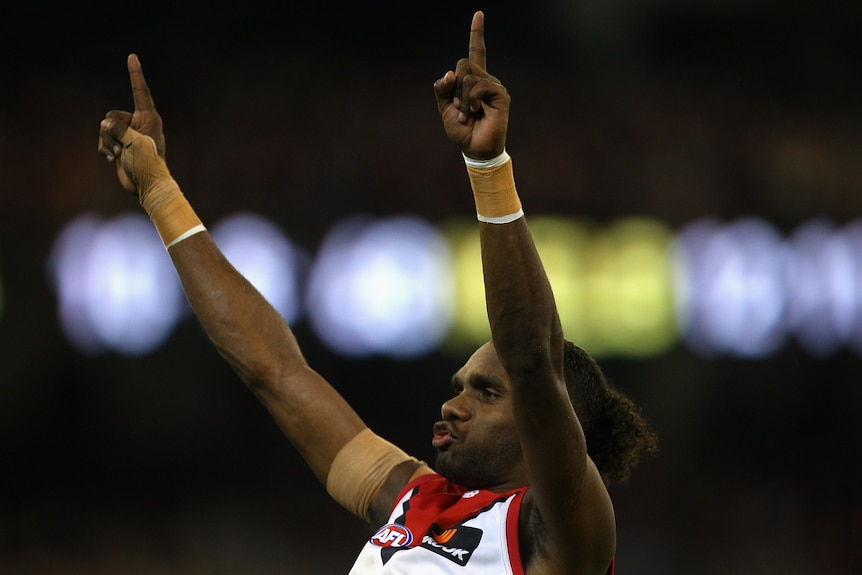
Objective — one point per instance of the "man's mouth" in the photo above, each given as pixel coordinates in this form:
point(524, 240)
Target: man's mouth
point(443, 435)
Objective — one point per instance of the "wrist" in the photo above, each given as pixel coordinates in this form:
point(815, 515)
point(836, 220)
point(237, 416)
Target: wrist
point(494, 191)
point(155, 193)
point(170, 212)
point(158, 192)
point(485, 164)
point(176, 220)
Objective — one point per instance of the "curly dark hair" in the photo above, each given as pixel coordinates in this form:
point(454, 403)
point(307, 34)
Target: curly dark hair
point(616, 430)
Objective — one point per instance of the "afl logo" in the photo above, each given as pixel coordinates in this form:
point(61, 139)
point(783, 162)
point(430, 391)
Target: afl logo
point(392, 535)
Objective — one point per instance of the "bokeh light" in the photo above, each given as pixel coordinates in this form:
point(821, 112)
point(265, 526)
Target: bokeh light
point(402, 287)
point(382, 287)
point(266, 257)
point(730, 286)
point(631, 296)
point(116, 288)
point(822, 300)
point(470, 321)
point(613, 286)
point(852, 234)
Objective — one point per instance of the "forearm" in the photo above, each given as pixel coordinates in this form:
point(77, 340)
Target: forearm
point(528, 338)
point(349, 459)
point(259, 345)
point(245, 329)
point(525, 326)
point(523, 318)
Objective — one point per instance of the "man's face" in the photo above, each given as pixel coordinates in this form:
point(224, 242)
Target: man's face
point(477, 442)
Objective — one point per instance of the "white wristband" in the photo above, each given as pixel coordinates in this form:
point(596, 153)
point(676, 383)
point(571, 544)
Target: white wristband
point(186, 234)
point(501, 219)
point(487, 164)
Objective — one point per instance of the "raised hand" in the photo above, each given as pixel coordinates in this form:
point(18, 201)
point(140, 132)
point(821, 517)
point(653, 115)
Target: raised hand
point(473, 104)
point(138, 170)
point(145, 119)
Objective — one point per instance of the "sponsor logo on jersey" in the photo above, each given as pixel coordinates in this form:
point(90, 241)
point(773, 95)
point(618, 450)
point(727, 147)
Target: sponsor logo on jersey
point(444, 537)
point(392, 535)
point(456, 544)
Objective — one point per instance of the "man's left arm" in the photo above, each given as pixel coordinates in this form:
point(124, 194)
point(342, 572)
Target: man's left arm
point(565, 486)
point(577, 519)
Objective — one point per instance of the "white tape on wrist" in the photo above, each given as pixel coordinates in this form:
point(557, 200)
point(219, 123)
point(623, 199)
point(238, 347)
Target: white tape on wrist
point(487, 164)
point(186, 234)
point(508, 218)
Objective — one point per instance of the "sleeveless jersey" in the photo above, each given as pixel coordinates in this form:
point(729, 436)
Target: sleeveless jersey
point(440, 528)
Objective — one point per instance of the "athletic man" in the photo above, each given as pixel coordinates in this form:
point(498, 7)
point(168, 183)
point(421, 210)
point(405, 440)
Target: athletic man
point(515, 487)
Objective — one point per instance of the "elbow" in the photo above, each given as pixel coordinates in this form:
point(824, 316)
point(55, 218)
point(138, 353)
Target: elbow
point(541, 353)
point(260, 372)
point(528, 336)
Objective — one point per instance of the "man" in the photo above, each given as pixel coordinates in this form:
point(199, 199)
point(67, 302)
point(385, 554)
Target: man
point(515, 489)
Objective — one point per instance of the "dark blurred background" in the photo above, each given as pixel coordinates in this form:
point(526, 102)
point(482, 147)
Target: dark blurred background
point(165, 464)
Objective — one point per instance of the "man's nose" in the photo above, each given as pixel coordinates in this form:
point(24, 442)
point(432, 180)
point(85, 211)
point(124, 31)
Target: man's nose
point(456, 408)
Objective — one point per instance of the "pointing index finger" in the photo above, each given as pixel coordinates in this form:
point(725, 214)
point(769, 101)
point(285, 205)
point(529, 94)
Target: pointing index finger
point(476, 52)
point(140, 91)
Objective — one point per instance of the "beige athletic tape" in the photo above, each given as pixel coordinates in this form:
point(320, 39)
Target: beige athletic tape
point(158, 192)
point(495, 195)
point(359, 470)
point(175, 220)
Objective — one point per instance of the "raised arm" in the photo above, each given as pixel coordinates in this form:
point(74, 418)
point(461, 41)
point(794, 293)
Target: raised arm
point(247, 331)
point(567, 505)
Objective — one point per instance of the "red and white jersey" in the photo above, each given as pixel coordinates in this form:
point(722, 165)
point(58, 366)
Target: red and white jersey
point(440, 528)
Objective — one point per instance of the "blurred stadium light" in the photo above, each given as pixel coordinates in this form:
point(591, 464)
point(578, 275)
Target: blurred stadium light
point(402, 287)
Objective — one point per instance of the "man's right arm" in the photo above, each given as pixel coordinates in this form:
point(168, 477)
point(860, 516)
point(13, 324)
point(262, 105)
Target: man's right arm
point(245, 329)
point(260, 346)
point(366, 475)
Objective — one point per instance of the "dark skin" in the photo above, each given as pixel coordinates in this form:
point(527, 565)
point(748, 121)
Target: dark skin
point(566, 489)
point(510, 403)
